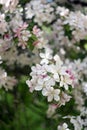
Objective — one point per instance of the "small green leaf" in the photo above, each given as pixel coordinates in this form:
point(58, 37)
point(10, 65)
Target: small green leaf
point(85, 46)
point(10, 98)
point(47, 29)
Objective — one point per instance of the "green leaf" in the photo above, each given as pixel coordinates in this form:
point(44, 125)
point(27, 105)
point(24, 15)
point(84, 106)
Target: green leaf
point(10, 99)
point(85, 46)
point(47, 29)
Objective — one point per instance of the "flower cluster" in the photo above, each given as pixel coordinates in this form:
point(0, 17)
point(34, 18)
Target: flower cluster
point(9, 5)
point(48, 43)
point(50, 76)
point(43, 12)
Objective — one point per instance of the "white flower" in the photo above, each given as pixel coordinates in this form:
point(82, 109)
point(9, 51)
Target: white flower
point(25, 34)
point(77, 122)
point(22, 44)
point(46, 57)
point(51, 93)
point(41, 82)
point(36, 31)
point(57, 69)
point(63, 127)
point(44, 81)
point(38, 70)
point(54, 70)
point(31, 84)
point(6, 81)
point(64, 98)
point(62, 11)
point(65, 81)
point(58, 60)
point(41, 42)
point(40, 77)
point(3, 77)
point(29, 11)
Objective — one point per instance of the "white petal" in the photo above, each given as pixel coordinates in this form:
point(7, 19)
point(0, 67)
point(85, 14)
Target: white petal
point(65, 125)
point(56, 97)
point(56, 77)
point(38, 87)
point(42, 55)
point(57, 91)
point(44, 61)
point(66, 86)
point(50, 98)
point(44, 92)
point(40, 81)
point(61, 83)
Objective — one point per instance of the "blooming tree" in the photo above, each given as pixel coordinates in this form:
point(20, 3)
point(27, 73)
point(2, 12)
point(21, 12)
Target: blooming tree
point(43, 65)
